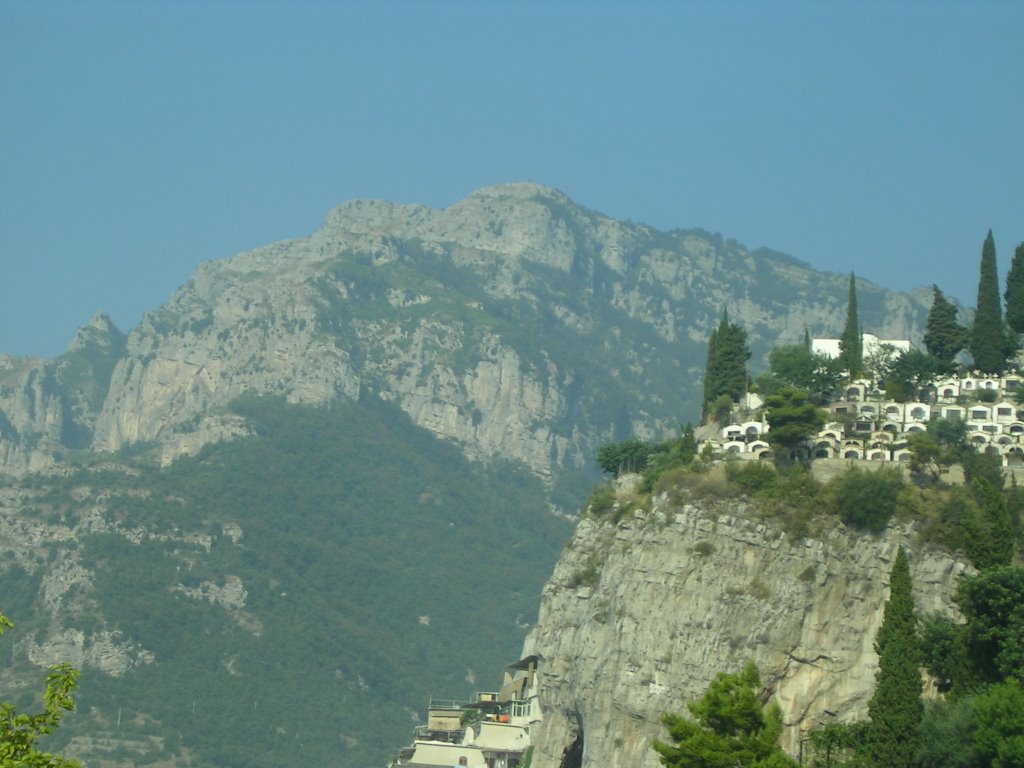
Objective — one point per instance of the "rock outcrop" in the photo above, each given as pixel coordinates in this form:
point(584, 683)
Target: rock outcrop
point(638, 617)
point(515, 323)
point(48, 407)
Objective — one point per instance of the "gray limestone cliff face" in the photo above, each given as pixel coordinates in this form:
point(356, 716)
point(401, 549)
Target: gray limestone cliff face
point(515, 323)
point(46, 551)
point(638, 617)
point(50, 406)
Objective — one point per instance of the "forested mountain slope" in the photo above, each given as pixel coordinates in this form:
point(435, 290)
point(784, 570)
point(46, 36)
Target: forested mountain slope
point(291, 598)
point(317, 484)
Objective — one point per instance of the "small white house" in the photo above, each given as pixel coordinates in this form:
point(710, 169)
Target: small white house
point(870, 344)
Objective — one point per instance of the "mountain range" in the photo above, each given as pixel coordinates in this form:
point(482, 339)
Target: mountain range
point(331, 475)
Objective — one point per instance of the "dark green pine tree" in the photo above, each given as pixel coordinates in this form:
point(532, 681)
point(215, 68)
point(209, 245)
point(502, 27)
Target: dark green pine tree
point(851, 349)
point(990, 538)
point(988, 336)
point(730, 728)
point(1015, 292)
point(944, 337)
point(726, 369)
point(710, 371)
point(895, 709)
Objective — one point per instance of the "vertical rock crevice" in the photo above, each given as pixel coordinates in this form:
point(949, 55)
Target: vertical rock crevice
point(573, 755)
point(664, 616)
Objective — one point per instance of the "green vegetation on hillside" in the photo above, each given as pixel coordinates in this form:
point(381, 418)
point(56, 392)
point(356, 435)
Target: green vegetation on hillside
point(895, 709)
point(792, 418)
point(730, 727)
point(20, 732)
point(796, 366)
point(378, 565)
point(979, 663)
point(980, 520)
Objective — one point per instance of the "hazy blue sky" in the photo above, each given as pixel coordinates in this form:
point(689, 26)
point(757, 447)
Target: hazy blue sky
point(139, 139)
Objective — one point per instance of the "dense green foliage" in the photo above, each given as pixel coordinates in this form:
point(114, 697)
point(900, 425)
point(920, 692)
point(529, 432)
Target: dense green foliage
point(794, 365)
point(868, 499)
point(930, 457)
point(944, 337)
point(988, 336)
point(668, 455)
point(980, 663)
point(730, 729)
point(752, 476)
point(20, 732)
point(990, 533)
point(946, 735)
point(851, 342)
point(342, 511)
point(792, 418)
point(1014, 294)
point(993, 606)
point(725, 373)
point(981, 519)
point(652, 458)
point(626, 456)
point(910, 375)
point(998, 720)
point(835, 744)
point(895, 709)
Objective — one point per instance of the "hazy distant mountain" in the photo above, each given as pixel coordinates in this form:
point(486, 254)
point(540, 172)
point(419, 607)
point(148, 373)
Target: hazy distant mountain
point(515, 323)
point(315, 486)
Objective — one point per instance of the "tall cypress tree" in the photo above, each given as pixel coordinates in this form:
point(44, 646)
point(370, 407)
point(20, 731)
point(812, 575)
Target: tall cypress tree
point(895, 709)
point(710, 372)
point(1015, 291)
point(944, 337)
point(851, 350)
point(726, 368)
point(990, 539)
point(988, 336)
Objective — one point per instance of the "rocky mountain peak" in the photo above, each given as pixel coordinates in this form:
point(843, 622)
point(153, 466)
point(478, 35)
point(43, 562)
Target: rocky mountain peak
point(99, 332)
point(517, 193)
point(515, 323)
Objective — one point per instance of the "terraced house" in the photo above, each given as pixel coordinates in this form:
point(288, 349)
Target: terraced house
point(864, 425)
point(490, 731)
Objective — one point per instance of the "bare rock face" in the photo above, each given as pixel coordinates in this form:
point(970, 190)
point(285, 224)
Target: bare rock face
point(31, 421)
point(47, 548)
point(49, 406)
point(108, 652)
point(514, 323)
point(638, 617)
